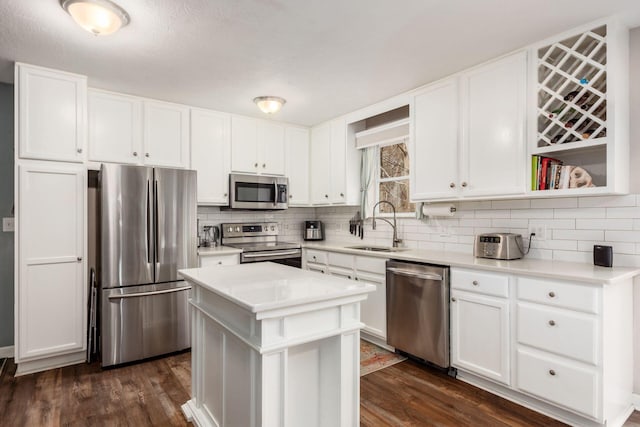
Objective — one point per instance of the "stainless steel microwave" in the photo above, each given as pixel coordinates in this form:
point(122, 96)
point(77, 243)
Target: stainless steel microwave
point(258, 192)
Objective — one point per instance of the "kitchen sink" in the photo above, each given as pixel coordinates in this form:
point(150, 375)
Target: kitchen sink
point(377, 248)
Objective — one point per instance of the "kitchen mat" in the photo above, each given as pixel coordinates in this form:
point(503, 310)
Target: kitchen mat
point(374, 358)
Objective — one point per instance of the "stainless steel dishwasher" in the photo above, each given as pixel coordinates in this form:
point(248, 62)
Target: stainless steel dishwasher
point(418, 310)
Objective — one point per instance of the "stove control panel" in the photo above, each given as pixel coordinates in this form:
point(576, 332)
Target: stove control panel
point(254, 229)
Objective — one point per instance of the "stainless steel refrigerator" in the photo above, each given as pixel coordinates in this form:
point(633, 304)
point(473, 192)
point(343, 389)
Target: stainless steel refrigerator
point(147, 233)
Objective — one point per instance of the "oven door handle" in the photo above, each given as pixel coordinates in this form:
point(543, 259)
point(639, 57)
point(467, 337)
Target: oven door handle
point(270, 254)
point(144, 294)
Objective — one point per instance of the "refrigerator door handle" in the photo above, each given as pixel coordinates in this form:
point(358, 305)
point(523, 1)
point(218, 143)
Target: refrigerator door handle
point(155, 223)
point(148, 222)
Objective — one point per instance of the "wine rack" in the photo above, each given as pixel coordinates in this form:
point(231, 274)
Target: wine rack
point(580, 110)
point(572, 89)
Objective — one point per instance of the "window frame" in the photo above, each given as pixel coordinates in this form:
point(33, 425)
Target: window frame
point(379, 180)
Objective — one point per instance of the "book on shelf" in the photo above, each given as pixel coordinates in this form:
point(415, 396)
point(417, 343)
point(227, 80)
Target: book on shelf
point(548, 173)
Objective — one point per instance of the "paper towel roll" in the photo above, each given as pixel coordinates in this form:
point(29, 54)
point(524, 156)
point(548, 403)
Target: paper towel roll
point(441, 209)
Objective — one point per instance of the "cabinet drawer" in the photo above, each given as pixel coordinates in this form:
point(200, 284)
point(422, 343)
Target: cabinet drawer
point(371, 264)
point(345, 273)
point(207, 261)
point(317, 257)
point(340, 260)
point(565, 333)
point(559, 382)
point(558, 294)
point(483, 283)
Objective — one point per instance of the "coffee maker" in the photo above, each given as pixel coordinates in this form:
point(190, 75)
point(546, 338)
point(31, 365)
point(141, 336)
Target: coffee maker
point(313, 230)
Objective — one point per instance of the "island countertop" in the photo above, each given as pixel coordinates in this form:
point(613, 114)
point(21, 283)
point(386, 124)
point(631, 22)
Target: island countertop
point(267, 286)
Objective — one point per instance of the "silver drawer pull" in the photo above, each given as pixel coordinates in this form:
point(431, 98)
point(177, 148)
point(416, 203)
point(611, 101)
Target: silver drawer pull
point(552, 294)
point(552, 372)
point(475, 283)
point(144, 294)
point(427, 276)
point(453, 299)
point(552, 323)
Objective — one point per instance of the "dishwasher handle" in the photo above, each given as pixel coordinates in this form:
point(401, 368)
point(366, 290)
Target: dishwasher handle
point(409, 273)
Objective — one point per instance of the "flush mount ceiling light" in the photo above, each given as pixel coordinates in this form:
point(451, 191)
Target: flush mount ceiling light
point(269, 104)
point(99, 17)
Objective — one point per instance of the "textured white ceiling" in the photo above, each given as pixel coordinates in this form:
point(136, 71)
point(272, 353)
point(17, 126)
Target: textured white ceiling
point(326, 57)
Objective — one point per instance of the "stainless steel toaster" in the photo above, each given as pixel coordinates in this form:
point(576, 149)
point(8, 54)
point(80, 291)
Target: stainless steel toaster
point(504, 246)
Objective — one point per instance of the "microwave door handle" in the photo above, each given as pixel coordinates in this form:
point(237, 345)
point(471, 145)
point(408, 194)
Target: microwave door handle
point(275, 193)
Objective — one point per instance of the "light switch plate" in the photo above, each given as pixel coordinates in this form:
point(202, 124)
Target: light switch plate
point(8, 225)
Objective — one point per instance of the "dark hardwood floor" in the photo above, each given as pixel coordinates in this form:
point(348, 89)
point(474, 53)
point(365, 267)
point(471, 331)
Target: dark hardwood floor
point(151, 393)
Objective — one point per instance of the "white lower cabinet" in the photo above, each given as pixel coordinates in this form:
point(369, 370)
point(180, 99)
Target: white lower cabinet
point(560, 347)
point(480, 341)
point(373, 310)
point(51, 278)
point(213, 260)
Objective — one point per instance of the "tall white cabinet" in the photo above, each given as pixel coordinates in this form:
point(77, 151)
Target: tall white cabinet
point(51, 276)
point(297, 162)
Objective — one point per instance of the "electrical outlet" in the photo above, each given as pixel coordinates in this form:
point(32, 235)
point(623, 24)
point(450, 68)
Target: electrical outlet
point(8, 225)
point(540, 230)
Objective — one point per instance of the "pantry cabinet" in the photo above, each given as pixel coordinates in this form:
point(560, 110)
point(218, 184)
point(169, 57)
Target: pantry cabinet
point(51, 285)
point(480, 340)
point(258, 146)
point(51, 114)
point(131, 130)
point(211, 155)
point(297, 165)
point(468, 133)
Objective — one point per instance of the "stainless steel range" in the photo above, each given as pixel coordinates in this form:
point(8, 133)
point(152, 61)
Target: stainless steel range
point(259, 242)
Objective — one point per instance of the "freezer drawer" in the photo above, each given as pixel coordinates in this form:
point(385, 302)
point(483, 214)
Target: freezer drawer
point(144, 321)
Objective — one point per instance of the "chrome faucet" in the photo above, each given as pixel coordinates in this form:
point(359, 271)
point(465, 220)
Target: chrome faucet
point(394, 225)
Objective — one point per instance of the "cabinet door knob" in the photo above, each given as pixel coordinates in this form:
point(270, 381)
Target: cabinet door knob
point(79, 258)
point(146, 154)
point(326, 196)
point(314, 257)
point(453, 299)
point(341, 194)
point(552, 372)
point(264, 165)
point(552, 294)
point(452, 185)
point(552, 323)
point(79, 150)
point(291, 196)
point(357, 278)
point(255, 165)
point(464, 184)
point(219, 262)
point(135, 154)
point(349, 277)
point(224, 195)
point(475, 283)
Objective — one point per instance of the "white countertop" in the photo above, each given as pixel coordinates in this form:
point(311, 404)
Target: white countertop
point(217, 250)
point(266, 286)
point(527, 266)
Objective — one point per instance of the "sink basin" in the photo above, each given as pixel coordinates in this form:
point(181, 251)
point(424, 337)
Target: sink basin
point(377, 248)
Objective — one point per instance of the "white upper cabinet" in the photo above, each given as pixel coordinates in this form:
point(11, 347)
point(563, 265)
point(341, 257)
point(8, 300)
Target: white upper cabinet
point(320, 164)
point(493, 127)
point(297, 170)
point(166, 134)
point(115, 127)
point(211, 155)
point(468, 133)
point(335, 165)
point(257, 146)
point(51, 296)
point(434, 147)
point(51, 114)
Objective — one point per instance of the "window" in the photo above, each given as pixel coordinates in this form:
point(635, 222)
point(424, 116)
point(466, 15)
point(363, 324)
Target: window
point(393, 178)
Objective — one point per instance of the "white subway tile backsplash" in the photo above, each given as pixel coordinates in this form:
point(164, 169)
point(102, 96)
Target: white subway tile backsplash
point(532, 213)
point(607, 201)
point(604, 224)
point(580, 213)
point(622, 236)
point(510, 204)
point(509, 223)
point(568, 224)
point(493, 214)
point(569, 202)
point(573, 256)
point(578, 235)
point(618, 247)
point(458, 247)
point(479, 222)
point(629, 212)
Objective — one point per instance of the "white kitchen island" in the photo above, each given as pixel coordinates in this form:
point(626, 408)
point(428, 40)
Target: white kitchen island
point(274, 346)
